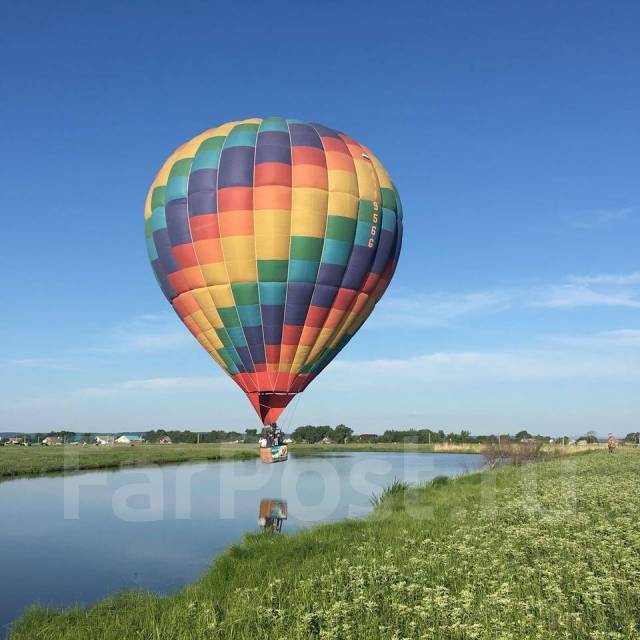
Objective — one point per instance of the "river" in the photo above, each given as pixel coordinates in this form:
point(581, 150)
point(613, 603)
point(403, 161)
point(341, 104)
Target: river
point(75, 539)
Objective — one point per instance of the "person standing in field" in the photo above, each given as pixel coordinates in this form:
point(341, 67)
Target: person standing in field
point(611, 443)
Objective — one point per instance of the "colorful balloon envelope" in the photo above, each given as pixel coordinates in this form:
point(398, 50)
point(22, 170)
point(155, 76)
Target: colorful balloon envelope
point(273, 240)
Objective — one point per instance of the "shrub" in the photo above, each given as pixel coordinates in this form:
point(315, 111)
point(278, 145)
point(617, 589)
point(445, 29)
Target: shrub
point(513, 452)
point(396, 488)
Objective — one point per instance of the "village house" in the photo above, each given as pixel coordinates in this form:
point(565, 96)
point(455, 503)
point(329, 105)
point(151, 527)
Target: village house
point(51, 441)
point(79, 440)
point(127, 438)
point(104, 439)
point(164, 440)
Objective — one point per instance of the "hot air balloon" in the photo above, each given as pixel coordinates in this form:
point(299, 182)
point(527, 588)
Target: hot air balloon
point(273, 240)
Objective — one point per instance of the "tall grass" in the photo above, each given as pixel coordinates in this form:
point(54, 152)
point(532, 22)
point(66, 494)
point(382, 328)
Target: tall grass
point(543, 551)
point(395, 489)
point(514, 452)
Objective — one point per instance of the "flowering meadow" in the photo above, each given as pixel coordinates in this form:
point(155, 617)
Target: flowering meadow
point(543, 551)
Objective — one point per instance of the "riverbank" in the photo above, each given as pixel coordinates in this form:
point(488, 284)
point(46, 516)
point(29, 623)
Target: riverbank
point(550, 550)
point(19, 461)
point(401, 447)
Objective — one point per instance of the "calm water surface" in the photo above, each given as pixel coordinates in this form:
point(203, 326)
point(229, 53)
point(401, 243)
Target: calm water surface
point(76, 539)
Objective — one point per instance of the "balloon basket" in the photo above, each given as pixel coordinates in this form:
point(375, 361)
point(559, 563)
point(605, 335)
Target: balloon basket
point(278, 453)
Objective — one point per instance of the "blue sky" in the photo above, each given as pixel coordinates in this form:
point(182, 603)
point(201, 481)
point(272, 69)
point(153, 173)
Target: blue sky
point(510, 129)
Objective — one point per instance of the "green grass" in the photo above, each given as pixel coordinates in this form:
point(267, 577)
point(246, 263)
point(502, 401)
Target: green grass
point(543, 551)
point(20, 461)
point(397, 487)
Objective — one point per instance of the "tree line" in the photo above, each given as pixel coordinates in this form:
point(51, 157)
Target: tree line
point(193, 437)
point(313, 434)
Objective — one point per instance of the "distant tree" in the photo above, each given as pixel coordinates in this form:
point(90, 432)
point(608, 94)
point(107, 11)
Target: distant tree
point(251, 435)
point(342, 433)
point(155, 435)
point(312, 434)
point(523, 435)
point(633, 437)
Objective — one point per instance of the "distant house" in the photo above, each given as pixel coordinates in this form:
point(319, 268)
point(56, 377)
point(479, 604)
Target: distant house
point(127, 438)
point(105, 440)
point(326, 440)
point(288, 441)
point(15, 441)
point(51, 441)
point(78, 439)
point(165, 440)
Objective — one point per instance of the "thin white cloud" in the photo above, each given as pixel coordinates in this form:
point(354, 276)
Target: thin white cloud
point(145, 333)
point(129, 389)
point(570, 296)
point(148, 332)
point(445, 309)
point(475, 367)
point(601, 218)
point(154, 385)
point(618, 338)
point(612, 279)
point(439, 309)
point(55, 364)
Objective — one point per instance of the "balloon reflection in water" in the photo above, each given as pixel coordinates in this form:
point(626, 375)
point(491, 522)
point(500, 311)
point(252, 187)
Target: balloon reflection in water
point(272, 514)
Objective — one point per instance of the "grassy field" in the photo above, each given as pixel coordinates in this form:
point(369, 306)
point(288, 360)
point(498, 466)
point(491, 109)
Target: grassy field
point(543, 551)
point(19, 461)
